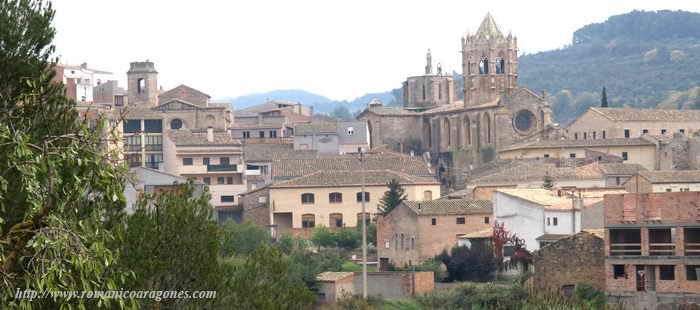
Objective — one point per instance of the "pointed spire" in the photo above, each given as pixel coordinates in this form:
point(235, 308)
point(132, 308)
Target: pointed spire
point(604, 99)
point(489, 28)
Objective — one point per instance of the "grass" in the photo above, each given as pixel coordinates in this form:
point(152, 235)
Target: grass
point(353, 267)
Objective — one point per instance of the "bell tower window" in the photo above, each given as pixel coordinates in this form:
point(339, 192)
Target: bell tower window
point(500, 66)
point(140, 85)
point(484, 66)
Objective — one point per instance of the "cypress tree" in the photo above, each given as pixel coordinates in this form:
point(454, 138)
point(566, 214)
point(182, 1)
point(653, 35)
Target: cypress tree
point(604, 99)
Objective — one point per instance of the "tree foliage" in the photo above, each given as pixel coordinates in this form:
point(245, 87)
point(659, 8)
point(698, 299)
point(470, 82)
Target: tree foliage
point(502, 237)
point(547, 181)
point(468, 264)
point(242, 238)
point(392, 198)
point(61, 196)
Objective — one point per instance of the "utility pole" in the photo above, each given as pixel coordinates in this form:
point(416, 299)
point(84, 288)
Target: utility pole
point(364, 226)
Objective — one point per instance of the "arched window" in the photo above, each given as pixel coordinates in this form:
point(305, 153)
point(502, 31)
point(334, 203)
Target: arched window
point(308, 220)
point(307, 198)
point(428, 132)
point(487, 124)
point(176, 124)
point(467, 130)
point(446, 132)
point(335, 220)
point(423, 91)
point(350, 131)
point(428, 195)
point(439, 90)
point(140, 86)
point(484, 65)
point(500, 66)
point(335, 197)
point(359, 196)
point(359, 218)
point(469, 68)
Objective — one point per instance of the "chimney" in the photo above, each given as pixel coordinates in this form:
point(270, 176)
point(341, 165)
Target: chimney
point(83, 65)
point(210, 134)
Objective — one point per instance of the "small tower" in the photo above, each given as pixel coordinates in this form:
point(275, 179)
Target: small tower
point(142, 80)
point(428, 90)
point(489, 63)
point(429, 63)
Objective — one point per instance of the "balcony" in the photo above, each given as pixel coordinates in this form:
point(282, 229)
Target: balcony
point(692, 242)
point(153, 165)
point(661, 242)
point(625, 242)
point(222, 168)
point(132, 148)
point(154, 147)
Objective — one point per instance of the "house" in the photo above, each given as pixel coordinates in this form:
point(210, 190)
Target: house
point(632, 150)
point(79, 80)
point(386, 285)
point(570, 261)
point(331, 198)
point(332, 138)
point(416, 231)
point(630, 123)
point(664, 181)
point(652, 249)
point(260, 156)
point(146, 180)
point(212, 157)
point(541, 216)
point(268, 121)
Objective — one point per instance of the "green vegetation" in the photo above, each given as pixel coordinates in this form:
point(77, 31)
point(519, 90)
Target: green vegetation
point(465, 264)
point(392, 198)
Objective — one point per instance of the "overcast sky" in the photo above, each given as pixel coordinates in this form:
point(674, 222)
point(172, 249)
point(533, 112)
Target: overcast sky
point(339, 49)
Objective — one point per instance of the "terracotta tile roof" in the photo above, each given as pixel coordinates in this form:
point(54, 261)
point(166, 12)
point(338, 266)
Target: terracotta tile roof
point(274, 151)
point(285, 169)
point(683, 176)
point(332, 276)
point(315, 128)
point(393, 111)
point(544, 144)
point(536, 171)
point(621, 169)
point(186, 137)
point(552, 237)
point(630, 114)
point(450, 207)
point(550, 200)
point(347, 178)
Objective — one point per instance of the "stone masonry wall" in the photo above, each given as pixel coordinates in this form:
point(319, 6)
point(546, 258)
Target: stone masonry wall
point(254, 210)
point(575, 260)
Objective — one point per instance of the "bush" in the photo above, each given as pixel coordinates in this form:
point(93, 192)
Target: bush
point(243, 238)
point(465, 264)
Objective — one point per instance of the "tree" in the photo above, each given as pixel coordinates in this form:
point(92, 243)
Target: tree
point(468, 264)
point(342, 113)
point(263, 280)
point(502, 237)
point(171, 243)
point(548, 181)
point(604, 99)
point(243, 238)
point(61, 196)
point(392, 198)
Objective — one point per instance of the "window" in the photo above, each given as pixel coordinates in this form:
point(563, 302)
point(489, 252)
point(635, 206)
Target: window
point(132, 126)
point(548, 222)
point(667, 272)
point(682, 131)
point(153, 160)
point(663, 131)
point(187, 161)
point(335, 197)
point(229, 180)
point(555, 221)
point(572, 155)
point(153, 125)
point(134, 160)
point(154, 143)
point(224, 161)
point(246, 134)
point(619, 272)
point(226, 198)
point(594, 135)
point(668, 190)
point(140, 86)
point(207, 180)
point(220, 180)
point(625, 156)
point(205, 161)
point(273, 133)
point(692, 272)
point(603, 134)
point(350, 131)
point(307, 198)
point(617, 180)
point(308, 220)
point(261, 134)
point(132, 143)
point(335, 220)
point(627, 133)
point(176, 124)
point(427, 195)
point(568, 290)
point(460, 220)
point(413, 244)
point(585, 135)
point(486, 220)
point(367, 218)
point(645, 131)
point(433, 221)
point(575, 135)
point(359, 197)
point(387, 243)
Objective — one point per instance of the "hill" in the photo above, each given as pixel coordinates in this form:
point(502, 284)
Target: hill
point(644, 59)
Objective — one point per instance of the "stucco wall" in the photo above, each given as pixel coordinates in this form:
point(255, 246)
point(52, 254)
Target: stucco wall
point(643, 155)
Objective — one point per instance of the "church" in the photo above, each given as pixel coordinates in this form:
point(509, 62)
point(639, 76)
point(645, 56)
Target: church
point(461, 135)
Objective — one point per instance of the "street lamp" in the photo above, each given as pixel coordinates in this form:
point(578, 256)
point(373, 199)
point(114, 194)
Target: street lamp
point(363, 195)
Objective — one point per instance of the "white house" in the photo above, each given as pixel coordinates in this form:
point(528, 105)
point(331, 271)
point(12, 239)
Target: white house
point(541, 216)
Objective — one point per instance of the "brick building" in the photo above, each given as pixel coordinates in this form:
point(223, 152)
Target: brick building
point(570, 261)
point(652, 248)
point(418, 230)
point(664, 181)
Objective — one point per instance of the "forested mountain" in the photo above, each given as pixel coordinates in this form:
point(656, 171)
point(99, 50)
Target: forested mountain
point(644, 59)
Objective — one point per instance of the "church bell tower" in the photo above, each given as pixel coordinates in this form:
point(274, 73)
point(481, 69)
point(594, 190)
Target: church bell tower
point(489, 63)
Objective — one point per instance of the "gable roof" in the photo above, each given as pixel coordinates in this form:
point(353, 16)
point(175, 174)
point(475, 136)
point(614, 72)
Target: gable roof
point(550, 200)
point(267, 152)
point(543, 144)
point(182, 88)
point(450, 207)
point(649, 115)
point(621, 168)
point(354, 178)
point(684, 176)
point(536, 171)
point(184, 137)
point(284, 169)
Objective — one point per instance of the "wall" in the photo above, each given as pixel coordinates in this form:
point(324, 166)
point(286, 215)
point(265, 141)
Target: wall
point(395, 285)
point(592, 216)
point(520, 217)
point(575, 260)
point(256, 207)
point(675, 187)
point(401, 221)
point(432, 239)
point(564, 222)
point(643, 155)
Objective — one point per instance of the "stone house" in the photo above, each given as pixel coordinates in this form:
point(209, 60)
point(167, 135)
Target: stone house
point(270, 120)
point(332, 138)
point(664, 181)
point(260, 156)
point(386, 285)
point(541, 216)
point(570, 261)
point(652, 248)
point(614, 123)
point(416, 231)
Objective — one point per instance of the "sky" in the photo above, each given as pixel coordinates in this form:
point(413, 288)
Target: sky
point(339, 49)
